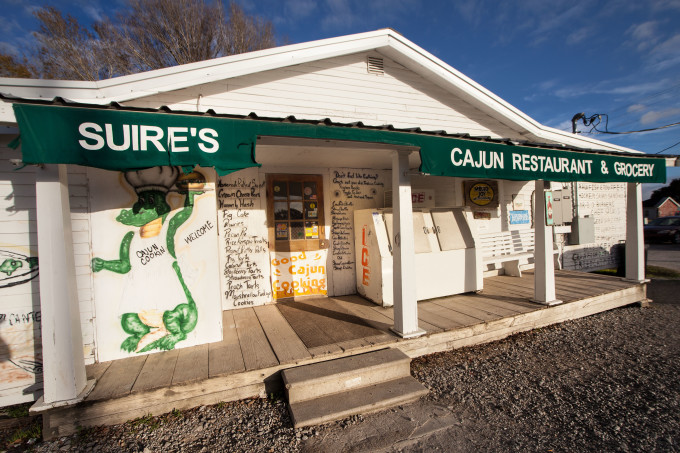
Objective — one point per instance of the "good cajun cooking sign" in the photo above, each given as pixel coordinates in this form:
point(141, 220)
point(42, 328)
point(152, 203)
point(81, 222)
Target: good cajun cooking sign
point(298, 274)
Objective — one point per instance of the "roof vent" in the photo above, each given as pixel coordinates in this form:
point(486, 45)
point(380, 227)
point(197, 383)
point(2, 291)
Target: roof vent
point(375, 65)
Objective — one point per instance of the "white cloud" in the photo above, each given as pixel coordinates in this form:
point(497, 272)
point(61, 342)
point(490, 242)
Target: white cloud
point(656, 115)
point(636, 108)
point(94, 12)
point(614, 87)
point(564, 125)
point(668, 48)
point(8, 48)
point(299, 9)
point(340, 15)
point(644, 35)
point(660, 5)
point(581, 35)
point(470, 10)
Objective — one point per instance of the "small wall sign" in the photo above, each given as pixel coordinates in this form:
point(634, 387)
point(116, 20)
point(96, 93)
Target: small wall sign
point(518, 202)
point(549, 208)
point(519, 217)
point(422, 198)
point(481, 193)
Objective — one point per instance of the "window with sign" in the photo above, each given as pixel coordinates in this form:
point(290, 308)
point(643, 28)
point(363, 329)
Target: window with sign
point(295, 212)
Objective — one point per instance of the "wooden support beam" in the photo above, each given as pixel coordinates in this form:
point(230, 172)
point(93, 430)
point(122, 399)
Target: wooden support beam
point(403, 251)
point(64, 377)
point(635, 246)
point(544, 274)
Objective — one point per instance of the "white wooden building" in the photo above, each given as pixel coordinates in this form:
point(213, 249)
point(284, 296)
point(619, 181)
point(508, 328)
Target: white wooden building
point(262, 233)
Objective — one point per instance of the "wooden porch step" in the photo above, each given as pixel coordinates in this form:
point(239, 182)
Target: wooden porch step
point(362, 400)
point(335, 389)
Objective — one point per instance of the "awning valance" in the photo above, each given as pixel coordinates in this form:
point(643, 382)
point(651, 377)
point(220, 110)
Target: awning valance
point(125, 139)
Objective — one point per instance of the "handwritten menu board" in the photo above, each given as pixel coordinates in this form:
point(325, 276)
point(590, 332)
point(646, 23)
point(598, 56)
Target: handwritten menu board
point(244, 257)
point(605, 202)
point(350, 189)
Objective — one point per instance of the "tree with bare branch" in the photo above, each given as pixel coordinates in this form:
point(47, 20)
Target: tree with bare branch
point(150, 34)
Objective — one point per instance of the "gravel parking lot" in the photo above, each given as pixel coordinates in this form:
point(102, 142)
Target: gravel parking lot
point(608, 382)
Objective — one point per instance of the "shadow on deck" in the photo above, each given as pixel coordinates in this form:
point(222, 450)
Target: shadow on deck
point(261, 341)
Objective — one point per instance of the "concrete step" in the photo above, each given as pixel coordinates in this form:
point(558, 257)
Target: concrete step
point(361, 400)
point(324, 378)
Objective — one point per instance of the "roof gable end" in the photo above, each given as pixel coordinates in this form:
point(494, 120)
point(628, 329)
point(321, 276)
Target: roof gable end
point(386, 42)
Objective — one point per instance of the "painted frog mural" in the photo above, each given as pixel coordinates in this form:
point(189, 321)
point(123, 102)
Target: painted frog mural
point(16, 268)
point(157, 309)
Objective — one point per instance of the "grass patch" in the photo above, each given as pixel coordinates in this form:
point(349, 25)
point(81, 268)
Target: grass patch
point(148, 420)
point(611, 272)
point(650, 272)
point(662, 272)
point(17, 411)
point(21, 434)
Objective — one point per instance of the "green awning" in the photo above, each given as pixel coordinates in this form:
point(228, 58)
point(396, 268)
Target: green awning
point(125, 139)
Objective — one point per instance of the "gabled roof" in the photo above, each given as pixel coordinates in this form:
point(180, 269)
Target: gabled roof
point(386, 42)
point(648, 203)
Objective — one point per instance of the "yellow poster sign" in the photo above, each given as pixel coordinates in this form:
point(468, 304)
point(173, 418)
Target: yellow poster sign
point(298, 274)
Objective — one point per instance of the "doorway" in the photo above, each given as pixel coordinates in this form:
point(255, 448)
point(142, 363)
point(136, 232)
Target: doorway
point(297, 240)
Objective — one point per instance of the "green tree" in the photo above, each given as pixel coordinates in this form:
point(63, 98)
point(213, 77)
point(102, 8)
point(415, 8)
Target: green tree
point(150, 34)
point(671, 190)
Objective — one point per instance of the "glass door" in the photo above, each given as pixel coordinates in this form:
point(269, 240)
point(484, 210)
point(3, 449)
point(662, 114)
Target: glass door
point(295, 212)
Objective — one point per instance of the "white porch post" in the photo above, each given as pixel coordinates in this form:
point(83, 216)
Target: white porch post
point(403, 251)
point(544, 273)
point(635, 247)
point(64, 375)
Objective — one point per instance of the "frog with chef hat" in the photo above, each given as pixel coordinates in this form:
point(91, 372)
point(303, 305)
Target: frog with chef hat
point(157, 310)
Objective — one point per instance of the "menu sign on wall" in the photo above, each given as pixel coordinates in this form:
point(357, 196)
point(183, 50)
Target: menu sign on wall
point(244, 254)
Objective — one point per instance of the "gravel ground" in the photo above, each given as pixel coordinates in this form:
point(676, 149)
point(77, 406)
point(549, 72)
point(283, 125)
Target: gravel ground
point(608, 382)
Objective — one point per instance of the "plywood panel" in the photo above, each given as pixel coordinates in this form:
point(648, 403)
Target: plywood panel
point(467, 307)
point(118, 378)
point(322, 321)
point(157, 371)
point(429, 328)
point(286, 344)
point(431, 313)
point(366, 310)
point(192, 364)
point(256, 350)
point(225, 356)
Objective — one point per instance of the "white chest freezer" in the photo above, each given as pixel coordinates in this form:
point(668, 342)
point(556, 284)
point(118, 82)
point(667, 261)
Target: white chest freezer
point(447, 258)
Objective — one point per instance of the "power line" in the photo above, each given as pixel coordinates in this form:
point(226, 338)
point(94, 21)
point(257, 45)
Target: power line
point(644, 100)
point(596, 119)
point(641, 130)
point(665, 149)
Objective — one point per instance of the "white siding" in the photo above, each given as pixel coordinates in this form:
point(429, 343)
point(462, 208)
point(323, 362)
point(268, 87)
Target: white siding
point(522, 189)
point(20, 353)
point(445, 189)
point(340, 89)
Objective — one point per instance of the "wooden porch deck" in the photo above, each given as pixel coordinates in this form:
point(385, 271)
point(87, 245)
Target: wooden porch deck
point(260, 341)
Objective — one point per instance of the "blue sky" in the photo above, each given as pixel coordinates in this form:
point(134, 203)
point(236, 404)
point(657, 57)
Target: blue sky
point(551, 59)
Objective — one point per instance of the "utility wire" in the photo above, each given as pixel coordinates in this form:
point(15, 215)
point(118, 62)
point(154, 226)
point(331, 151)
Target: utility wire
point(633, 132)
point(665, 149)
point(596, 119)
point(644, 100)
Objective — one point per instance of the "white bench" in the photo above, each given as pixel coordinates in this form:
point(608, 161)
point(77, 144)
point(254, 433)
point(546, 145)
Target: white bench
point(511, 250)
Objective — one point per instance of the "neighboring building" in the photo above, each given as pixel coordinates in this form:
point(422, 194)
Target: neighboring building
point(663, 208)
point(282, 146)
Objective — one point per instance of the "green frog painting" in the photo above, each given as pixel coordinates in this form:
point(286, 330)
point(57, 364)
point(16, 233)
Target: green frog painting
point(157, 309)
